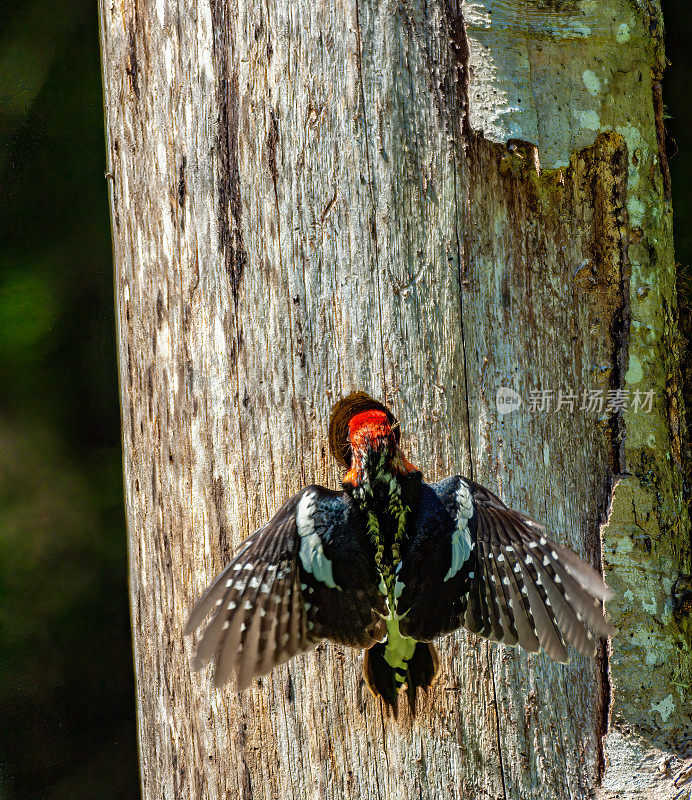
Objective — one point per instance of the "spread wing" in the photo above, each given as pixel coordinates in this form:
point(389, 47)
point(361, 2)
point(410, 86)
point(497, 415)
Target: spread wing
point(506, 579)
point(286, 589)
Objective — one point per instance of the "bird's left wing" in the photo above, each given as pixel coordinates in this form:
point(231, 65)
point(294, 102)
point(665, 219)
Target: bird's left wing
point(281, 593)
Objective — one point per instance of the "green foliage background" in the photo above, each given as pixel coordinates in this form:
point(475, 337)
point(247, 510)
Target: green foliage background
point(66, 688)
point(67, 726)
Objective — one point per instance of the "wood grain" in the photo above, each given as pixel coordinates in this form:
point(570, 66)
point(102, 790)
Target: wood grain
point(304, 204)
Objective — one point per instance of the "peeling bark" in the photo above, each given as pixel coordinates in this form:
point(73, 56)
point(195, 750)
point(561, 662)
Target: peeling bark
point(428, 201)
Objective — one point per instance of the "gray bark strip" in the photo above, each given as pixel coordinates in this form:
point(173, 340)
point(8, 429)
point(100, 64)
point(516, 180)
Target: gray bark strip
point(427, 202)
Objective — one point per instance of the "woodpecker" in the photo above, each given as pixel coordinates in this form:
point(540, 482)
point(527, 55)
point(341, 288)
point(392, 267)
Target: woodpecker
point(389, 564)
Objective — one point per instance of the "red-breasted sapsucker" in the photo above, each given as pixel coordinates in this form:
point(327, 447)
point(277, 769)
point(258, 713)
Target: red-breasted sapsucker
point(388, 564)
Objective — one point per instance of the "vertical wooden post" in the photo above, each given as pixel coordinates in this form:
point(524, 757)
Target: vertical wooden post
point(428, 200)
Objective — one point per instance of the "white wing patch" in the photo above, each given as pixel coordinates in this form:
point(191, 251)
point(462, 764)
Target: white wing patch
point(461, 538)
point(311, 551)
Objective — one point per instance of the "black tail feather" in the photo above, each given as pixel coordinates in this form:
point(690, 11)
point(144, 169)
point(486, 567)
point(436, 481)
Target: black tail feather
point(385, 681)
point(423, 668)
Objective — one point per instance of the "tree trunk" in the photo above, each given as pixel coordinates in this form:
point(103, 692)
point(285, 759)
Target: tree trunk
point(427, 200)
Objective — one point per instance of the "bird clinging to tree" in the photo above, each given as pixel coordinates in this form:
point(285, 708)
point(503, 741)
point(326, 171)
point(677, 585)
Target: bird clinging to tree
point(390, 563)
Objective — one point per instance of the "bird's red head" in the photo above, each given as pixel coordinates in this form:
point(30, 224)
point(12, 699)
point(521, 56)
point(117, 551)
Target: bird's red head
point(360, 425)
point(370, 429)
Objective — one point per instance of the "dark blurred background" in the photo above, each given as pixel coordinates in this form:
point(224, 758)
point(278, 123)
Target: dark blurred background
point(67, 724)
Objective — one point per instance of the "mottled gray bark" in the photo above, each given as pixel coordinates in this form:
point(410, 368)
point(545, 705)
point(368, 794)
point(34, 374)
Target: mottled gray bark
point(429, 201)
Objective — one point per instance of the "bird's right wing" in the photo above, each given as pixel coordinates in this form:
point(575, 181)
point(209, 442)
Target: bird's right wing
point(281, 593)
point(526, 589)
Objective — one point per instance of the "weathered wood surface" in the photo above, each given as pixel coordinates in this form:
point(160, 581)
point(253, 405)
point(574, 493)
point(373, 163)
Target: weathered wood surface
point(426, 201)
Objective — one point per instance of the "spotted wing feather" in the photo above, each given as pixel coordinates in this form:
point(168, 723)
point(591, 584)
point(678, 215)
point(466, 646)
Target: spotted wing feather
point(526, 589)
point(280, 595)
